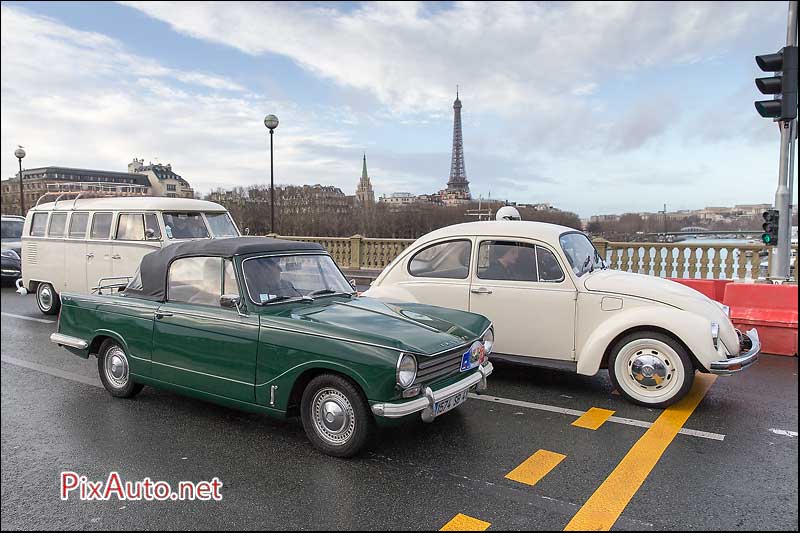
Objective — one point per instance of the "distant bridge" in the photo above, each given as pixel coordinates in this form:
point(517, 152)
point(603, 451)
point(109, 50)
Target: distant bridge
point(702, 232)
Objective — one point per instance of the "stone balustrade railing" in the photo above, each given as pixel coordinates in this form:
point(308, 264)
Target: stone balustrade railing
point(686, 259)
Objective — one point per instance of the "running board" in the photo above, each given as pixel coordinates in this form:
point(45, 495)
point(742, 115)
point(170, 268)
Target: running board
point(543, 362)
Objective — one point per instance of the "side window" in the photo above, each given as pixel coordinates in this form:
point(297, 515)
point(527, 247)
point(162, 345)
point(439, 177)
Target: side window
point(549, 269)
point(229, 284)
point(507, 260)
point(101, 226)
point(444, 260)
point(38, 224)
point(58, 223)
point(195, 280)
point(130, 227)
point(77, 225)
point(151, 230)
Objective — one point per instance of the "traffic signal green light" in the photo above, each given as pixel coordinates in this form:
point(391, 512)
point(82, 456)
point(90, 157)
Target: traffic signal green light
point(770, 227)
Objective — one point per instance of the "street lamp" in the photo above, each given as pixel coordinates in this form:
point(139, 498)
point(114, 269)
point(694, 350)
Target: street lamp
point(19, 153)
point(271, 122)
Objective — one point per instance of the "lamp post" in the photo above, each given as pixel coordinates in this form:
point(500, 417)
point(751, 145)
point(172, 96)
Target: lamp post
point(271, 122)
point(19, 153)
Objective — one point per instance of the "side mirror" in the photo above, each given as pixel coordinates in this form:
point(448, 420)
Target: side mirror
point(230, 301)
point(353, 284)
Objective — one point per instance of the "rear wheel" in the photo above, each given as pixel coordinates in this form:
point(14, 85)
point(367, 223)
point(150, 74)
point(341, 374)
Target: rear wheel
point(112, 364)
point(651, 369)
point(335, 416)
point(47, 299)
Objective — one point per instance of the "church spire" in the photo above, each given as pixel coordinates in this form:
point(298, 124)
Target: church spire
point(364, 193)
point(364, 176)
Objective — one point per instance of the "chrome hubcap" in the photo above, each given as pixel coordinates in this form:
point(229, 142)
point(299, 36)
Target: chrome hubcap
point(46, 297)
point(333, 416)
point(116, 367)
point(648, 370)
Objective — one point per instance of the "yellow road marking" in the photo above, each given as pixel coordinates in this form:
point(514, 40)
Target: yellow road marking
point(593, 418)
point(462, 522)
point(535, 467)
point(603, 508)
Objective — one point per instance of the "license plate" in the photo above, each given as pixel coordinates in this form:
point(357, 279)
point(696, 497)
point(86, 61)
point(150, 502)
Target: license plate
point(451, 402)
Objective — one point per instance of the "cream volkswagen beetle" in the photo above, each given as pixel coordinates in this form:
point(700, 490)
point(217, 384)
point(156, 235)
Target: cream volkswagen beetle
point(554, 303)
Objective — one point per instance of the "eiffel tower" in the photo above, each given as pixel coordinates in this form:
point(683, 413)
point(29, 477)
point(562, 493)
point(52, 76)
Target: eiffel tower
point(457, 185)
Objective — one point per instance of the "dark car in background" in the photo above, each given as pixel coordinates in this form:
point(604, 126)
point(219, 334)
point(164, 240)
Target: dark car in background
point(11, 226)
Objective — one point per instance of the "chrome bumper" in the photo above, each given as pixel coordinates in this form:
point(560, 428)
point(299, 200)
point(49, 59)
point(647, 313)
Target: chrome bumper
point(66, 340)
point(425, 403)
point(727, 367)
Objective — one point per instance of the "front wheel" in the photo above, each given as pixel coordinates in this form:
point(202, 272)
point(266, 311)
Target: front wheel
point(47, 299)
point(112, 363)
point(650, 369)
point(335, 416)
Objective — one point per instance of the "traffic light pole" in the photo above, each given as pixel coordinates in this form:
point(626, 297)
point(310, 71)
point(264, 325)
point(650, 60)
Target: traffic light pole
point(780, 266)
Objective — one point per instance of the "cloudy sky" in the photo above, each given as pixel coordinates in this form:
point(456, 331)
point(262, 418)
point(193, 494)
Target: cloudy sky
point(593, 107)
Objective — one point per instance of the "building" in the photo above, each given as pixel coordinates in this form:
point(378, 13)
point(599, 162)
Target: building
point(364, 194)
point(51, 181)
point(163, 181)
point(457, 190)
point(398, 199)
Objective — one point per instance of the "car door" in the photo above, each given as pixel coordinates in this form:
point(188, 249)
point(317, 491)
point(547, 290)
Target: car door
point(98, 249)
point(75, 259)
point(439, 273)
point(521, 287)
point(198, 344)
point(137, 235)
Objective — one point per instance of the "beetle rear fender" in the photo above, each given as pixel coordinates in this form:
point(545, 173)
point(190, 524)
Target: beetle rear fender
point(694, 331)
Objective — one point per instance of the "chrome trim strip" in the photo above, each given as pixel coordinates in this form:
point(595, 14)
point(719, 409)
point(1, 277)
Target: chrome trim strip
point(426, 402)
point(139, 358)
point(202, 373)
point(727, 367)
point(178, 312)
point(66, 340)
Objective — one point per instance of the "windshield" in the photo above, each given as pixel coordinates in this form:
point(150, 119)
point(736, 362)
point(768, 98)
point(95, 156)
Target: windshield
point(221, 225)
point(12, 230)
point(185, 226)
point(581, 253)
point(273, 279)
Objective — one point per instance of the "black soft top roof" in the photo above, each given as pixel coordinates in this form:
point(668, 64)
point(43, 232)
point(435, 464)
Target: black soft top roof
point(152, 278)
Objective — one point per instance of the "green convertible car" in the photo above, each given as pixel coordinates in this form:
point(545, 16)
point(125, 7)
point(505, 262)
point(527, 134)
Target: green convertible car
point(273, 326)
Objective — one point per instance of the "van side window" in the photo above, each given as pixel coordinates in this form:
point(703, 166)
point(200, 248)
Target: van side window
point(101, 226)
point(58, 223)
point(151, 224)
point(77, 225)
point(130, 227)
point(38, 224)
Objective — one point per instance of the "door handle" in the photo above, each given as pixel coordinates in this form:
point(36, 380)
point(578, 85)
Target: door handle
point(89, 255)
point(162, 314)
point(480, 290)
point(116, 256)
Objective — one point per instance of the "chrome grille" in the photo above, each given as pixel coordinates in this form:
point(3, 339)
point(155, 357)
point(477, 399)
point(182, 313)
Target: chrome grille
point(440, 366)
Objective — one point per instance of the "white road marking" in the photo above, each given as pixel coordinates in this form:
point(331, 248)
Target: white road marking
point(577, 413)
point(784, 432)
point(94, 382)
point(22, 317)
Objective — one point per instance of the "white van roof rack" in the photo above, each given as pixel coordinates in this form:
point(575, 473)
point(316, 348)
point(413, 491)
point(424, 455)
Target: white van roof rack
point(78, 193)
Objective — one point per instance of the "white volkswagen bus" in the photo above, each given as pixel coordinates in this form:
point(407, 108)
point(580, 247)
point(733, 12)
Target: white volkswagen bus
point(70, 245)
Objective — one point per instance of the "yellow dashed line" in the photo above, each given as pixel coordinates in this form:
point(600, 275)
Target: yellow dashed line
point(593, 418)
point(462, 522)
point(535, 467)
point(603, 508)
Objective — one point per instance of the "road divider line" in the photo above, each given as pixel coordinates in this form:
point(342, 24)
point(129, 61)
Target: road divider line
point(604, 507)
point(593, 418)
point(52, 371)
point(576, 412)
point(785, 432)
point(535, 467)
point(32, 319)
point(462, 522)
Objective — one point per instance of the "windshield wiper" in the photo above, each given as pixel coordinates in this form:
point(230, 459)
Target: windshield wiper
point(329, 291)
point(275, 299)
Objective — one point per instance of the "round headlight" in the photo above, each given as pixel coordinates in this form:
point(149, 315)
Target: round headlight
point(488, 340)
point(406, 370)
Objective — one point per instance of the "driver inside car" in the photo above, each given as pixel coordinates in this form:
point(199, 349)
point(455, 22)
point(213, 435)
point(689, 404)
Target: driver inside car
point(269, 283)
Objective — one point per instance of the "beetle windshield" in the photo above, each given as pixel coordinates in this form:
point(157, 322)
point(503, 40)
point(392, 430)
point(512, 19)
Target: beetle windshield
point(279, 278)
point(581, 253)
point(12, 230)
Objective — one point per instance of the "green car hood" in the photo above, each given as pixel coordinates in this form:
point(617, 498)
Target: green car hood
point(416, 328)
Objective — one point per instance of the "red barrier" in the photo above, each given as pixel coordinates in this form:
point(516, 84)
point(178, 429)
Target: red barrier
point(771, 309)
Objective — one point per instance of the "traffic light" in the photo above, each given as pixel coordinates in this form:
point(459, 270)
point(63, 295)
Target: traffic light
point(770, 226)
point(783, 84)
